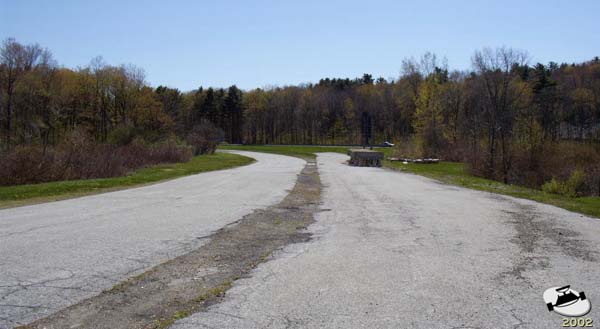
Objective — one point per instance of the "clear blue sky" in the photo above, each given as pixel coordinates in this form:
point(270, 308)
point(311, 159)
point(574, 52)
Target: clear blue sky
point(186, 44)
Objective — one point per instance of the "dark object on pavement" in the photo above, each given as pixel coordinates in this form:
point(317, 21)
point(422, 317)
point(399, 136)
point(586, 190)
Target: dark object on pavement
point(365, 158)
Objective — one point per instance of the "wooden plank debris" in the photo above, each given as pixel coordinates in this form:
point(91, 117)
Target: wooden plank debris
point(417, 161)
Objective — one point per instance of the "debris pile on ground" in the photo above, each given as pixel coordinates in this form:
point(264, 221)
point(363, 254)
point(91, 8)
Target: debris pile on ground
point(417, 161)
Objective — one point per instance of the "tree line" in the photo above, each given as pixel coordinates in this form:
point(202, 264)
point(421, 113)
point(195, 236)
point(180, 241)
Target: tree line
point(508, 119)
point(432, 102)
point(42, 102)
point(100, 120)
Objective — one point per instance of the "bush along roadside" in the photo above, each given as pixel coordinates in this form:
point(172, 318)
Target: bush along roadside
point(18, 195)
point(572, 187)
point(81, 157)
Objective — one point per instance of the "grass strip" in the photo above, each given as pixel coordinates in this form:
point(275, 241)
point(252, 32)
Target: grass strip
point(11, 196)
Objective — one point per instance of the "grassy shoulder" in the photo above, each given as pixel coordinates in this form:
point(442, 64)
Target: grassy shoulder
point(13, 196)
point(300, 151)
point(447, 172)
point(455, 173)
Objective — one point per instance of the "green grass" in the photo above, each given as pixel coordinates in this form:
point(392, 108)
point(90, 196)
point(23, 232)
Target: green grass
point(447, 172)
point(455, 173)
point(11, 196)
point(304, 152)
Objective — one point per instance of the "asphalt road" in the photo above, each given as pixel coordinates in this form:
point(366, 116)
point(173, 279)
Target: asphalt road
point(394, 250)
point(55, 254)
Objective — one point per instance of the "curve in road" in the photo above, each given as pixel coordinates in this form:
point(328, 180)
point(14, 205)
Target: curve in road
point(56, 254)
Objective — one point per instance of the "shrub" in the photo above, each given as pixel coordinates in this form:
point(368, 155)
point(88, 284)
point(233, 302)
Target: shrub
point(170, 150)
point(572, 187)
point(121, 135)
point(407, 148)
point(455, 152)
point(575, 167)
point(204, 138)
point(575, 184)
point(25, 164)
point(79, 157)
point(135, 154)
point(552, 186)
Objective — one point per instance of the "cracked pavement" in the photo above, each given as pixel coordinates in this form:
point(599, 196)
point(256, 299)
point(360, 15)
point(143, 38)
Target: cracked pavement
point(56, 254)
point(395, 250)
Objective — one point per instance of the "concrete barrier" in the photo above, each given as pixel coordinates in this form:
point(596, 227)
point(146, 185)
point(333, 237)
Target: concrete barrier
point(365, 158)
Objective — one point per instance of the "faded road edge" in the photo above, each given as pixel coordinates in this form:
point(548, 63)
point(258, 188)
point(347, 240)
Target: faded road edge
point(194, 281)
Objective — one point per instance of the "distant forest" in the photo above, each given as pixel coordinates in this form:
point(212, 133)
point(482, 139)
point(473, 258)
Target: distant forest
point(509, 119)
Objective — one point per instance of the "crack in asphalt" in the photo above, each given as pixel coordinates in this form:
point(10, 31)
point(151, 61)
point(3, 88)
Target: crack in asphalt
point(192, 282)
point(21, 306)
point(228, 315)
point(449, 248)
point(27, 285)
point(97, 233)
point(521, 322)
point(24, 232)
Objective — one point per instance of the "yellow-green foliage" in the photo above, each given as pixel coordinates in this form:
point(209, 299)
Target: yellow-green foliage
point(406, 148)
point(529, 134)
point(552, 186)
point(571, 187)
point(429, 121)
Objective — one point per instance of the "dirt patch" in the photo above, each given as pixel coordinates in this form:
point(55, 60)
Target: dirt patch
point(192, 282)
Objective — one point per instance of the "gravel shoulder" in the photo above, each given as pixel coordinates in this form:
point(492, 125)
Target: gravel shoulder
point(57, 254)
point(402, 251)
